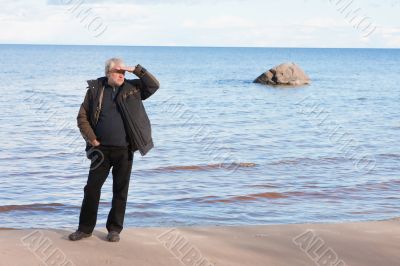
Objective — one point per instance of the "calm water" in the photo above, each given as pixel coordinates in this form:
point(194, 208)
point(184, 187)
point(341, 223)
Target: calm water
point(228, 151)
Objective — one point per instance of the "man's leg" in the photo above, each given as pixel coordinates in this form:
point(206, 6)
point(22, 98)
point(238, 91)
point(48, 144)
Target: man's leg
point(122, 166)
point(99, 170)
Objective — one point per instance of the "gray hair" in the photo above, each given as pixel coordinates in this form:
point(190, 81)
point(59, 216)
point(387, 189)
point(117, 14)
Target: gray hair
point(110, 63)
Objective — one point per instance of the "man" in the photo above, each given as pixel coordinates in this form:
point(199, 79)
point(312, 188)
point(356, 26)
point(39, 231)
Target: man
point(114, 123)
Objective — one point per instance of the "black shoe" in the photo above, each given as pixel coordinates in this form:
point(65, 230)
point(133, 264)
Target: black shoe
point(113, 236)
point(78, 235)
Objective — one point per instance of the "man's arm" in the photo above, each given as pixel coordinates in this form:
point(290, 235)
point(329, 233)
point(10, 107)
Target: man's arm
point(83, 122)
point(148, 84)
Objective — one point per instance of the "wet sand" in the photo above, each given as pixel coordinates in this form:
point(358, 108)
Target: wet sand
point(355, 244)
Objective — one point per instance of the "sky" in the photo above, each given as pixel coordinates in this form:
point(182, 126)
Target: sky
point(221, 23)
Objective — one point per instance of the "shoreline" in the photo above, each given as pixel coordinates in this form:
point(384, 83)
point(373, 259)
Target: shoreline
point(347, 243)
point(99, 227)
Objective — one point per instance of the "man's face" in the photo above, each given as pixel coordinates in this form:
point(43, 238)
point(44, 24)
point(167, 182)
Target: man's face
point(116, 76)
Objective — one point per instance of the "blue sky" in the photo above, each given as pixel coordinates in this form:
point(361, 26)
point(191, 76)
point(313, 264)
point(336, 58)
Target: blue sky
point(250, 23)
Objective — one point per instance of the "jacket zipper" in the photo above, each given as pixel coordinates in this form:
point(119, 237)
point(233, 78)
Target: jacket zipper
point(129, 119)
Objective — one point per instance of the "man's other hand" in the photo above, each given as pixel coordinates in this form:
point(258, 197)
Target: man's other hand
point(95, 143)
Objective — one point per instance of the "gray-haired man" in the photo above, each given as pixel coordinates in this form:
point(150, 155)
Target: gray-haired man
point(114, 123)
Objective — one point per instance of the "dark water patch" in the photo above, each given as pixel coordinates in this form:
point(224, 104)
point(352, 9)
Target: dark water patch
point(308, 161)
point(206, 167)
point(233, 82)
point(144, 214)
point(250, 197)
point(32, 207)
point(389, 155)
point(333, 195)
point(381, 186)
point(38, 157)
point(263, 186)
point(198, 199)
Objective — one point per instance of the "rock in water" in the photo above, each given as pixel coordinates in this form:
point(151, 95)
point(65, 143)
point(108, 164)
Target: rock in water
point(288, 74)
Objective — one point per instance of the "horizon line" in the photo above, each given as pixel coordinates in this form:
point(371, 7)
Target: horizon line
point(199, 46)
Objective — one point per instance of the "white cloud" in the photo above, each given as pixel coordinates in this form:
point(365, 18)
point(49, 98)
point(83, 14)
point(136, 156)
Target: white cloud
point(218, 23)
point(391, 35)
point(319, 22)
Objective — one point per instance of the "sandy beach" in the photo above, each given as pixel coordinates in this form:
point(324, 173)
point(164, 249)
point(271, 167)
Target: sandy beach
point(360, 243)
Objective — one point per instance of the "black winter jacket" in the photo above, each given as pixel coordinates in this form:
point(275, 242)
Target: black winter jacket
point(129, 100)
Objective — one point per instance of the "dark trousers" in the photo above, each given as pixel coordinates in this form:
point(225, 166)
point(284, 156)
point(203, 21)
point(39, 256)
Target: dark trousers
point(120, 159)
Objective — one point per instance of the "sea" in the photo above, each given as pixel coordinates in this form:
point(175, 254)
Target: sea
point(227, 151)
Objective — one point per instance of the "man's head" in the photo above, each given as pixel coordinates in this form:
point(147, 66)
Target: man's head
point(114, 72)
